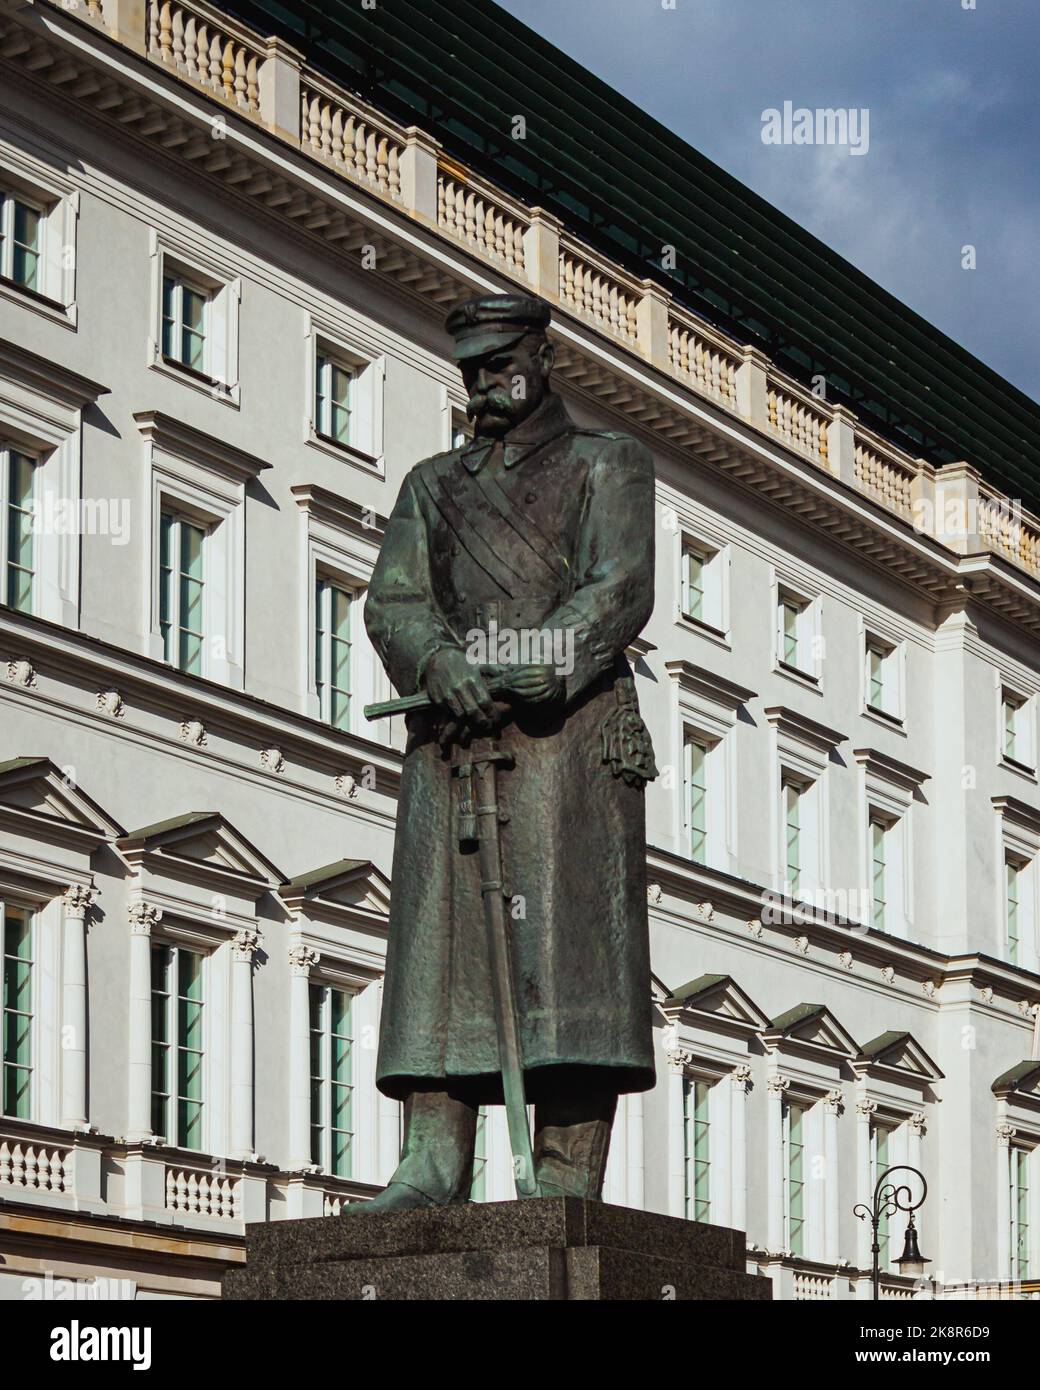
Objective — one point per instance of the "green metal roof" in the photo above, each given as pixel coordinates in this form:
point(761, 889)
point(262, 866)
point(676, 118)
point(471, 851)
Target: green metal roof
point(462, 69)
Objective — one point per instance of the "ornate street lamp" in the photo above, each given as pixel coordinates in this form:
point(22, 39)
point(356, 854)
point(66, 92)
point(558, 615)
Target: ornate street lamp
point(888, 1199)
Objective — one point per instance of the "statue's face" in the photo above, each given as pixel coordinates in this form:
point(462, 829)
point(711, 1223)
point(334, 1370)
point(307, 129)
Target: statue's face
point(504, 388)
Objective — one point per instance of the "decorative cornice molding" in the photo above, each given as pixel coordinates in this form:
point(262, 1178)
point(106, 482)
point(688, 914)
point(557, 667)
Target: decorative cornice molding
point(803, 729)
point(889, 769)
point(341, 512)
point(709, 684)
point(173, 436)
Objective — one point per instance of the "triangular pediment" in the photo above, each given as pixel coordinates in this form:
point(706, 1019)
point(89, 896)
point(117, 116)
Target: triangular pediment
point(199, 842)
point(720, 996)
point(38, 796)
point(813, 1026)
point(348, 886)
point(1024, 1079)
point(899, 1052)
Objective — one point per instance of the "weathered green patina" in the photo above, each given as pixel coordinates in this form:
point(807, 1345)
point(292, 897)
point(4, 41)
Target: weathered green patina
point(536, 526)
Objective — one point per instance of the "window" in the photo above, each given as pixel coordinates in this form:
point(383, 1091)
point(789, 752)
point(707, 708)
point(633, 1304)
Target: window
point(478, 1188)
point(1020, 1213)
point(181, 592)
point(1016, 744)
point(185, 314)
point(882, 677)
point(21, 241)
point(880, 1161)
point(794, 1178)
point(795, 633)
point(792, 800)
point(177, 1045)
point(697, 1148)
point(344, 415)
point(332, 1080)
point(19, 556)
point(194, 334)
point(695, 781)
point(1013, 906)
point(702, 584)
point(16, 943)
point(333, 398)
point(878, 886)
point(332, 644)
point(461, 429)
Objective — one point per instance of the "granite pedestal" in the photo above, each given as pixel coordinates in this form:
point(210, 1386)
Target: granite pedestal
point(542, 1249)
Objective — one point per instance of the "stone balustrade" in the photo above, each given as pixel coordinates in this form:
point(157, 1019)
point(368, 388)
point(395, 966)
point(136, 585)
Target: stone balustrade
point(1006, 529)
point(365, 151)
point(885, 477)
point(266, 80)
point(594, 292)
point(208, 48)
point(801, 425)
point(473, 215)
point(705, 362)
point(191, 1192)
point(33, 1167)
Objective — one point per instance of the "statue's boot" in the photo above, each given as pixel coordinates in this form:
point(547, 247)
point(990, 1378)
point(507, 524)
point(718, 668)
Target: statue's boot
point(571, 1140)
point(436, 1168)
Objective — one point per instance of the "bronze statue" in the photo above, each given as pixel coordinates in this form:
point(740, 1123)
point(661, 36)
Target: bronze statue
point(515, 572)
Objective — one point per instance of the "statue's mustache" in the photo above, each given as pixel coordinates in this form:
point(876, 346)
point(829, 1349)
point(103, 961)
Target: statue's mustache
point(480, 401)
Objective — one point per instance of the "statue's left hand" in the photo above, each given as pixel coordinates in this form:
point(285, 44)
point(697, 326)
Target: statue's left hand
point(534, 684)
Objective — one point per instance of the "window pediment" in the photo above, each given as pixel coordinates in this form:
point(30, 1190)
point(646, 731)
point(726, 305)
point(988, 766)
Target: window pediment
point(349, 891)
point(897, 1056)
point(1021, 1084)
point(716, 999)
point(812, 1030)
point(36, 799)
point(200, 848)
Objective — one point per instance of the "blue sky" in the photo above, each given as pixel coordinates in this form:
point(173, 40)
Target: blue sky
point(953, 95)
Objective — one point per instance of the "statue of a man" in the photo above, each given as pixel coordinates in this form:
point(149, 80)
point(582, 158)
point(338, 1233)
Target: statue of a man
point(516, 571)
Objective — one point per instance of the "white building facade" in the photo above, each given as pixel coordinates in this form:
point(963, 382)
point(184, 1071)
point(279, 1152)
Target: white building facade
point(222, 287)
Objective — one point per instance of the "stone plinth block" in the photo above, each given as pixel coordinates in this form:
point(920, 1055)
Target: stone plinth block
point(545, 1248)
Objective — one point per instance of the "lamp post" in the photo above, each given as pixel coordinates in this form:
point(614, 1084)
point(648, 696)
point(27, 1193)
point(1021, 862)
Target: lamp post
point(888, 1199)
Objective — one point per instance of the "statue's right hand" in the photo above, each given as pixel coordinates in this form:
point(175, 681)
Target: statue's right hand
point(455, 683)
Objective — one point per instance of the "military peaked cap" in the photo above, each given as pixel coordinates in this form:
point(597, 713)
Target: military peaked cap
point(494, 321)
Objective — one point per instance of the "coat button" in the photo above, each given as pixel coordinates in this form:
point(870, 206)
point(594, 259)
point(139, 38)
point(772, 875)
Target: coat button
point(531, 497)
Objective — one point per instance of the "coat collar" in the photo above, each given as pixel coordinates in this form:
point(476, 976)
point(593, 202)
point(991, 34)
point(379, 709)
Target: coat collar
point(544, 424)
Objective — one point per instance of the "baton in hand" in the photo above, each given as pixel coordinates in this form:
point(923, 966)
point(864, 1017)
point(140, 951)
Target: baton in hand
point(494, 675)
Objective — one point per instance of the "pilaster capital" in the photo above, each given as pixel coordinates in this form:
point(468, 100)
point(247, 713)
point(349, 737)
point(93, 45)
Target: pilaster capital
point(143, 917)
point(78, 899)
point(741, 1077)
point(302, 958)
point(245, 943)
point(1005, 1134)
point(834, 1102)
point(865, 1108)
point(778, 1084)
point(916, 1123)
point(678, 1058)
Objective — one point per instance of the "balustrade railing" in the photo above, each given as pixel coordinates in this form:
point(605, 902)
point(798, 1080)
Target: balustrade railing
point(591, 290)
point(473, 216)
point(349, 137)
point(706, 364)
point(34, 1167)
point(202, 45)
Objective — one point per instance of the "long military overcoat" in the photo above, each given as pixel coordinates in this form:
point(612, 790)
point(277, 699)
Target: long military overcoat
point(555, 530)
